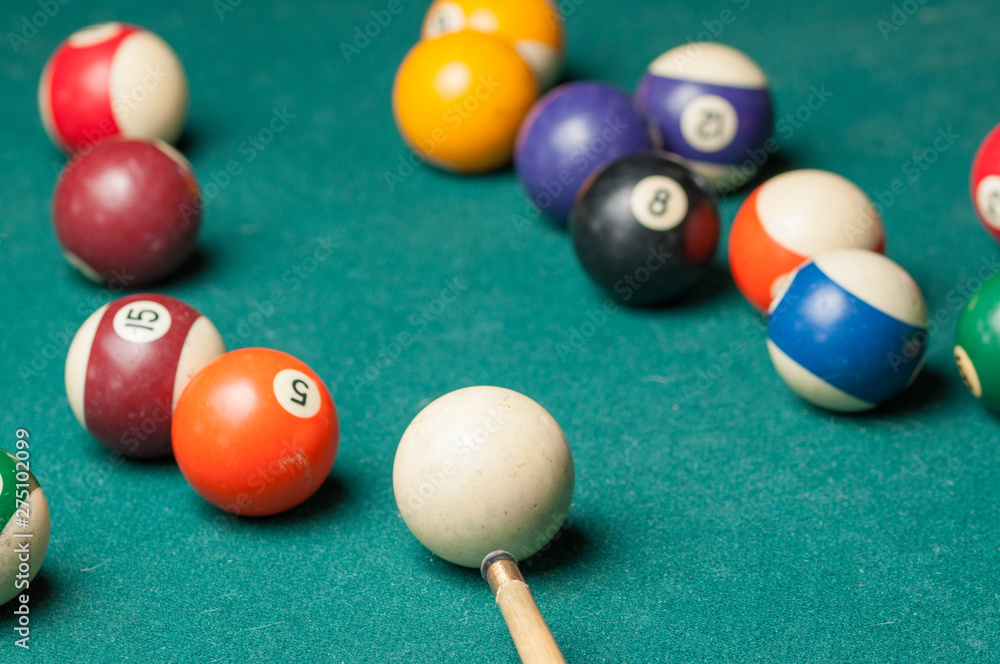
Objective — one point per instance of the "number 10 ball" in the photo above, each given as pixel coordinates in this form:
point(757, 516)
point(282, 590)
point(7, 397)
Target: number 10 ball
point(645, 228)
point(255, 432)
point(849, 330)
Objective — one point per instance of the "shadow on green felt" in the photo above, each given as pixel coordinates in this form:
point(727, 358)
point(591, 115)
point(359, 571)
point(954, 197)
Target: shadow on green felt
point(331, 495)
point(192, 269)
point(715, 285)
point(929, 390)
point(41, 591)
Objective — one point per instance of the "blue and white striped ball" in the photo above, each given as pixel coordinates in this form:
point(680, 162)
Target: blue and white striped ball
point(849, 330)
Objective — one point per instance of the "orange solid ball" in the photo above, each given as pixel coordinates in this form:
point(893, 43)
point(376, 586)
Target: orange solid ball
point(255, 432)
point(532, 27)
point(460, 99)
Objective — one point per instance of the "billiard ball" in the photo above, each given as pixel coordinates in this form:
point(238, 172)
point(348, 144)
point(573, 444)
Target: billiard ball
point(459, 99)
point(848, 331)
point(977, 343)
point(24, 522)
point(792, 217)
point(532, 27)
point(985, 182)
point(645, 227)
point(128, 364)
point(127, 212)
point(480, 469)
point(255, 432)
point(112, 79)
point(569, 134)
point(712, 104)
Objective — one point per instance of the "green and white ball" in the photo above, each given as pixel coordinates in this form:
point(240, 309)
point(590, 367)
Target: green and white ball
point(24, 518)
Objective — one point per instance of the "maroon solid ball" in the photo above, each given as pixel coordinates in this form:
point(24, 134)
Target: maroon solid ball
point(129, 363)
point(128, 212)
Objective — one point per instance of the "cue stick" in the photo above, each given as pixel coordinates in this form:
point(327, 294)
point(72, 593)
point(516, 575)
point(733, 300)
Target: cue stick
point(532, 638)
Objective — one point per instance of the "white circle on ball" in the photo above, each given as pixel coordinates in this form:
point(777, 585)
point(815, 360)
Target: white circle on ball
point(297, 393)
point(659, 203)
point(988, 200)
point(142, 321)
point(444, 18)
point(968, 372)
point(709, 123)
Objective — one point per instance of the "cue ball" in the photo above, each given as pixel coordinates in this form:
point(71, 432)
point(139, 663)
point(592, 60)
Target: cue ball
point(481, 469)
point(849, 330)
point(532, 27)
point(977, 343)
point(255, 432)
point(792, 217)
point(985, 183)
point(713, 107)
point(569, 134)
point(17, 484)
point(645, 228)
point(129, 363)
point(459, 99)
point(128, 212)
point(112, 79)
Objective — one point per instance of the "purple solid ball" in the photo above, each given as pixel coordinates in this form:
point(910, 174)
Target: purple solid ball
point(569, 134)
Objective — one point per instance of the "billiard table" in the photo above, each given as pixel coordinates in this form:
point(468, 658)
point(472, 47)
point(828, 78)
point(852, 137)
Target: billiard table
point(716, 516)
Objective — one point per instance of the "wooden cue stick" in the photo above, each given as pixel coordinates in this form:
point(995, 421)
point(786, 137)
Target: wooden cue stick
point(532, 638)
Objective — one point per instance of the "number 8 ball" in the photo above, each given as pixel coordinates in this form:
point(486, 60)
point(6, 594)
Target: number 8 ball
point(645, 228)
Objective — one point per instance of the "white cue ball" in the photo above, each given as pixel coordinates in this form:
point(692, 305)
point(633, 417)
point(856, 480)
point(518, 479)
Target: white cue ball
point(481, 469)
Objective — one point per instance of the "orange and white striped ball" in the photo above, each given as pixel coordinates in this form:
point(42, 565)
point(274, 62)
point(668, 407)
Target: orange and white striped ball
point(532, 27)
point(112, 79)
point(791, 218)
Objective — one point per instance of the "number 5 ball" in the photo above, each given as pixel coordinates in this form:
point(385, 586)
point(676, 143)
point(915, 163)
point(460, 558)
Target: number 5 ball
point(255, 432)
point(128, 364)
point(645, 228)
point(482, 469)
point(112, 79)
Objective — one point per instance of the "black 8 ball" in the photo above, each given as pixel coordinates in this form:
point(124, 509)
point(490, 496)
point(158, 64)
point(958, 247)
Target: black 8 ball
point(646, 228)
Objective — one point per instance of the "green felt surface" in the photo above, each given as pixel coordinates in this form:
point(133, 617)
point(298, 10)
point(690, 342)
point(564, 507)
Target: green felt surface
point(717, 518)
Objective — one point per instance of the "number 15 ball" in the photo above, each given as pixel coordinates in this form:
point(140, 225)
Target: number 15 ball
point(255, 432)
point(646, 228)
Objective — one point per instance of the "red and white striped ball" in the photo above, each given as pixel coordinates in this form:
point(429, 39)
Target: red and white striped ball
point(791, 218)
point(112, 79)
point(129, 363)
point(985, 183)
